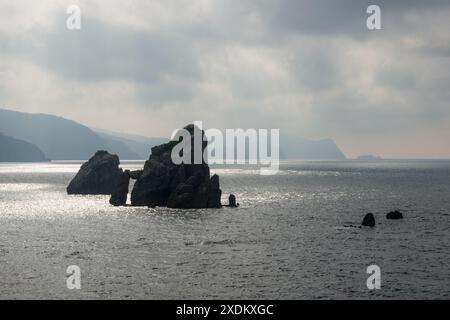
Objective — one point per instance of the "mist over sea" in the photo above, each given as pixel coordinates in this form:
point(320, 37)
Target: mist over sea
point(287, 240)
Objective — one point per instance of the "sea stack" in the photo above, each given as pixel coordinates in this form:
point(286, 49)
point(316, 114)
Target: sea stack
point(120, 192)
point(99, 175)
point(185, 186)
point(232, 201)
point(369, 220)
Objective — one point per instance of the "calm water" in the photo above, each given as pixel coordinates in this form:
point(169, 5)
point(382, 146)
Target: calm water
point(288, 239)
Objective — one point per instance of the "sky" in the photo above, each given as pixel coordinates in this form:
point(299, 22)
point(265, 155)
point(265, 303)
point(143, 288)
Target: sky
point(309, 68)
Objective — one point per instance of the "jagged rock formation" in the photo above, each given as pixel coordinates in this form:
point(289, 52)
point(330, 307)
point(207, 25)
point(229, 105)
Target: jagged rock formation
point(100, 175)
point(186, 186)
point(160, 183)
point(369, 220)
point(120, 192)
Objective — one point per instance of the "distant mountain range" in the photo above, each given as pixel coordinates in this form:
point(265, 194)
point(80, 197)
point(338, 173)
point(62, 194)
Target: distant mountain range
point(137, 144)
point(61, 139)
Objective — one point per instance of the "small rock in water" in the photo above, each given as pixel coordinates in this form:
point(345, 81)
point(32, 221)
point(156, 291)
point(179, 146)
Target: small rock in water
point(369, 220)
point(232, 201)
point(394, 215)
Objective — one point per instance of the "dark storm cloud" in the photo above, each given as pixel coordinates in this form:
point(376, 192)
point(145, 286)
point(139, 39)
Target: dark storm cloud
point(331, 17)
point(100, 51)
point(307, 67)
point(104, 52)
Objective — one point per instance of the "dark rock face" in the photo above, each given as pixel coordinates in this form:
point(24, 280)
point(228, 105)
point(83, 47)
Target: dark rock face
point(369, 220)
point(135, 174)
point(185, 186)
point(99, 175)
point(120, 192)
point(214, 194)
point(394, 215)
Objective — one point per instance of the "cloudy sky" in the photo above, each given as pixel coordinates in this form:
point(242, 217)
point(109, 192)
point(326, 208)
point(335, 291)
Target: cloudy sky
point(310, 68)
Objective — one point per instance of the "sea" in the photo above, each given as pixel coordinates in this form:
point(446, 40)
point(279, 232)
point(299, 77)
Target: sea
point(295, 235)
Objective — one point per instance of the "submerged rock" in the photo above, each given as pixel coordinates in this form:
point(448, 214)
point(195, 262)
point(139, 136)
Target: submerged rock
point(369, 220)
point(394, 215)
point(99, 175)
point(185, 186)
point(120, 192)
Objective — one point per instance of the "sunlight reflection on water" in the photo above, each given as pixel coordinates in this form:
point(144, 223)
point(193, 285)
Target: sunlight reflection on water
point(287, 239)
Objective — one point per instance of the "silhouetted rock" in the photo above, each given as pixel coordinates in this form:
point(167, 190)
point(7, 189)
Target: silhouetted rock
point(214, 193)
point(185, 186)
point(120, 192)
point(232, 201)
point(369, 220)
point(99, 175)
point(395, 215)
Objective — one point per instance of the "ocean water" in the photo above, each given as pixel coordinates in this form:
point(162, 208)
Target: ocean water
point(288, 240)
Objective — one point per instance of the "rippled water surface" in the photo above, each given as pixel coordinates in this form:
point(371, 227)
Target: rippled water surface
point(287, 240)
